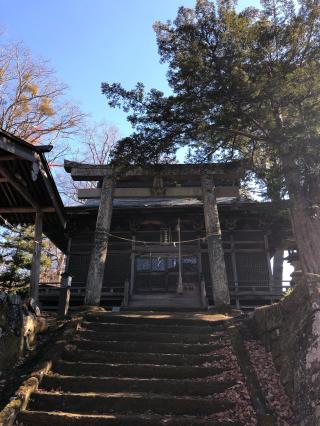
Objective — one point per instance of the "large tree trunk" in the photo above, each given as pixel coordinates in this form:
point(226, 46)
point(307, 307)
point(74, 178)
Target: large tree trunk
point(304, 192)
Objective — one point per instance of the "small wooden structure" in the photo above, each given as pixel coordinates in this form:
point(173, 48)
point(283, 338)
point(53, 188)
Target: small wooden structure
point(163, 230)
point(28, 195)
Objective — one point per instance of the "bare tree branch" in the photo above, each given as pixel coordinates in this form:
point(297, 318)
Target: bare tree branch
point(32, 101)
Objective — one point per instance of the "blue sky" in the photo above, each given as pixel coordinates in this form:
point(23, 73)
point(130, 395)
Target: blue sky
point(88, 42)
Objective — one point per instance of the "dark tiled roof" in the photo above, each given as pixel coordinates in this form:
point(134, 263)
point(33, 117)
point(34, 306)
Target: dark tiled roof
point(161, 202)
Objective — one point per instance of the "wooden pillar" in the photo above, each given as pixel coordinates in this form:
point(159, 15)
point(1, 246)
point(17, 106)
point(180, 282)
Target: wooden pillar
point(133, 260)
point(65, 284)
point(268, 258)
point(180, 285)
point(278, 268)
point(126, 294)
point(100, 246)
point(36, 257)
point(234, 270)
point(199, 257)
point(68, 254)
point(216, 255)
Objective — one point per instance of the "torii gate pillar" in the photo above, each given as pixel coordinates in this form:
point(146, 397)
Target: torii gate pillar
point(215, 249)
point(100, 247)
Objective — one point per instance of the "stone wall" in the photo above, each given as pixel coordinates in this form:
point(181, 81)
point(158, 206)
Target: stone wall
point(290, 329)
point(19, 325)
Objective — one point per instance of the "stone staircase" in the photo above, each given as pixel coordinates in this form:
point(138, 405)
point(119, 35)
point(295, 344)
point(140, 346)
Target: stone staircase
point(140, 369)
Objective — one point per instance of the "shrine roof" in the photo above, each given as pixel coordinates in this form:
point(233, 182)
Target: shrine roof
point(27, 185)
point(160, 202)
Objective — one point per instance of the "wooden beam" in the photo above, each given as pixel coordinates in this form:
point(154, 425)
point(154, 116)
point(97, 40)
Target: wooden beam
point(16, 148)
point(36, 258)
point(20, 188)
point(4, 180)
point(9, 157)
point(26, 210)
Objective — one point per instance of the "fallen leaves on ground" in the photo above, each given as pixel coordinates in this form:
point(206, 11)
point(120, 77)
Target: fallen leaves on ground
point(270, 383)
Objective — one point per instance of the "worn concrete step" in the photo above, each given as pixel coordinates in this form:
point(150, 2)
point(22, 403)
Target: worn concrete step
point(44, 418)
point(152, 319)
point(193, 304)
point(151, 347)
point(150, 337)
point(122, 403)
point(164, 309)
point(151, 328)
point(185, 387)
point(138, 370)
point(72, 353)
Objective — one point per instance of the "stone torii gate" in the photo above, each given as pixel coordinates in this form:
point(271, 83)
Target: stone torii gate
point(108, 176)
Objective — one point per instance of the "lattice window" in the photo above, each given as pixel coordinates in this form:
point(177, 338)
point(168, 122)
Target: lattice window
point(189, 263)
point(143, 264)
point(158, 264)
point(252, 269)
point(172, 263)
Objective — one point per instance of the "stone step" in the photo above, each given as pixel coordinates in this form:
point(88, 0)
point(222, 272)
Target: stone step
point(202, 387)
point(71, 353)
point(159, 328)
point(150, 337)
point(44, 418)
point(122, 403)
point(155, 303)
point(145, 296)
point(152, 319)
point(151, 347)
point(67, 368)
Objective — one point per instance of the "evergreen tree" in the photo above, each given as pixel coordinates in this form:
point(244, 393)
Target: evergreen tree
point(16, 249)
point(245, 86)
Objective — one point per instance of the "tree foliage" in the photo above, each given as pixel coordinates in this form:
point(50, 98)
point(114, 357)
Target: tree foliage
point(16, 249)
point(246, 85)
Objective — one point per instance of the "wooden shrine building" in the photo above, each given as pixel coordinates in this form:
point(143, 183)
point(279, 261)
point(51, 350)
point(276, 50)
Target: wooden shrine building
point(161, 236)
point(171, 236)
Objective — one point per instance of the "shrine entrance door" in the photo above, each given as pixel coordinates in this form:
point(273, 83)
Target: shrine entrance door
point(159, 273)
